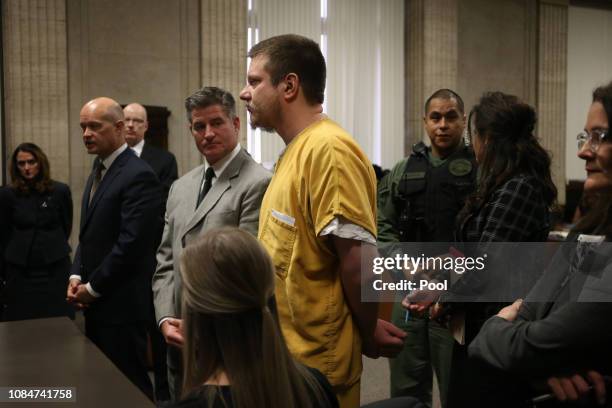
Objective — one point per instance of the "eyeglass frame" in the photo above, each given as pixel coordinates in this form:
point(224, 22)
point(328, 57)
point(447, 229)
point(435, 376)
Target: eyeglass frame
point(585, 137)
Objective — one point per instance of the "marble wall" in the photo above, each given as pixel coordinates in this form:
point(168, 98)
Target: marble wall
point(36, 79)
point(60, 53)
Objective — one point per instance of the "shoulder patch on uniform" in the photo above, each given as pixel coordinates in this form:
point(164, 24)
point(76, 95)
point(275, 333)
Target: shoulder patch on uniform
point(460, 167)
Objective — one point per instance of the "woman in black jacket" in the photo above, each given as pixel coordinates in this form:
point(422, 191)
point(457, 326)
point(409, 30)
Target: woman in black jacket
point(35, 224)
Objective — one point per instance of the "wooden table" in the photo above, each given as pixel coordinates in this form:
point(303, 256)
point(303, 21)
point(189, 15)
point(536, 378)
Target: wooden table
point(54, 353)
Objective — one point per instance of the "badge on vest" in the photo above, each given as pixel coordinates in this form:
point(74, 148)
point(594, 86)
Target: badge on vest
point(413, 175)
point(460, 167)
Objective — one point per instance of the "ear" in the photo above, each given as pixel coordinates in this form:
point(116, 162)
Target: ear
point(291, 85)
point(120, 125)
point(236, 123)
point(146, 125)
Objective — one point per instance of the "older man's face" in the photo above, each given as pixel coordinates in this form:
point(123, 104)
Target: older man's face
point(100, 135)
point(135, 124)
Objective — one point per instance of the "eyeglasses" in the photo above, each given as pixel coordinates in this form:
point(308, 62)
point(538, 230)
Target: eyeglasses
point(595, 138)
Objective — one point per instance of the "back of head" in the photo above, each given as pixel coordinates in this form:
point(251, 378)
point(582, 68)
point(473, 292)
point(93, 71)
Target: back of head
point(42, 182)
point(504, 124)
point(502, 118)
point(292, 53)
point(226, 272)
point(228, 279)
point(209, 96)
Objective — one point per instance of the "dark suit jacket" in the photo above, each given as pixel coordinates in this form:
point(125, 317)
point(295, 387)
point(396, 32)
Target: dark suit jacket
point(34, 227)
point(163, 164)
point(118, 229)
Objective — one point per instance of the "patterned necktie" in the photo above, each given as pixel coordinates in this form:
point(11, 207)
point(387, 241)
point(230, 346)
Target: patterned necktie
point(208, 176)
point(98, 168)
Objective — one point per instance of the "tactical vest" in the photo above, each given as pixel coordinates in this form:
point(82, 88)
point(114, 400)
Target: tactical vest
point(429, 198)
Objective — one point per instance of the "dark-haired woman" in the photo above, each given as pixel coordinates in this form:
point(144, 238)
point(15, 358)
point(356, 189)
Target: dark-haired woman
point(35, 223)
point(515, 189)
point(512, 203)
point(562, 332)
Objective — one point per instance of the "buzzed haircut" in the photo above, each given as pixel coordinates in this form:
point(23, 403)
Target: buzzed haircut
point(139, 106)
point(209, 96)
point(446, 94)
point(293, 53)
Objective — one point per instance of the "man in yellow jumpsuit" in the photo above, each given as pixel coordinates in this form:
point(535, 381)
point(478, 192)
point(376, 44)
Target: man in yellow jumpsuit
point(318, 217)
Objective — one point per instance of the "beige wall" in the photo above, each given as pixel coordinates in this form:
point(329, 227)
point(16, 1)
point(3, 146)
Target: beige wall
point(157, 52)
point(131, 51)
point(471, 46)
point(497, 48)
point(35, 75)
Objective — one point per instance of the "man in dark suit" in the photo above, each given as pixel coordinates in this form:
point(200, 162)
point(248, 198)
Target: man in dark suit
point(161, 161)
point(119, 212)
point(226, 193)
point(164, 165)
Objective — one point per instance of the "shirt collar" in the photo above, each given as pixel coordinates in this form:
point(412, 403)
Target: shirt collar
point(138, 147)
point(220, 166)
point(111, 158)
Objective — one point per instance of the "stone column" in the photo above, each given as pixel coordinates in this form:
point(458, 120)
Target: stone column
point(414, 66)
point(35, 74)
point(224, 42)
point(552, 85)
point(431, 58)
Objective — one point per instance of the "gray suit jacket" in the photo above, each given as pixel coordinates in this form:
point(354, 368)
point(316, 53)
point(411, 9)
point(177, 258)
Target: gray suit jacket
point(233, 200)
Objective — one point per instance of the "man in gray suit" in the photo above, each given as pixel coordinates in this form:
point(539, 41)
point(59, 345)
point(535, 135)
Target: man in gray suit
point(226, 193)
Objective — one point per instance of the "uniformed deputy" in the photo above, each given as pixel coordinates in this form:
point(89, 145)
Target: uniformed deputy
point(418, 201)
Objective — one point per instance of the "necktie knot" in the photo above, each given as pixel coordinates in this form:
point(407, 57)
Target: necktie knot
point(210, 174)
point(98, 168)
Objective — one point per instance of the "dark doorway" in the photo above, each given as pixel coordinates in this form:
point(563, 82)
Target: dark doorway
point(157, 134)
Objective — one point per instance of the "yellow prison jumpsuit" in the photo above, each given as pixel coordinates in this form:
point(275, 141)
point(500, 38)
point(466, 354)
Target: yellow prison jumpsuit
point(323, 174)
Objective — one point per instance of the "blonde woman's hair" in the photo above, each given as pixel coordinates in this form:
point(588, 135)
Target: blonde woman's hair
point(228, 280)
